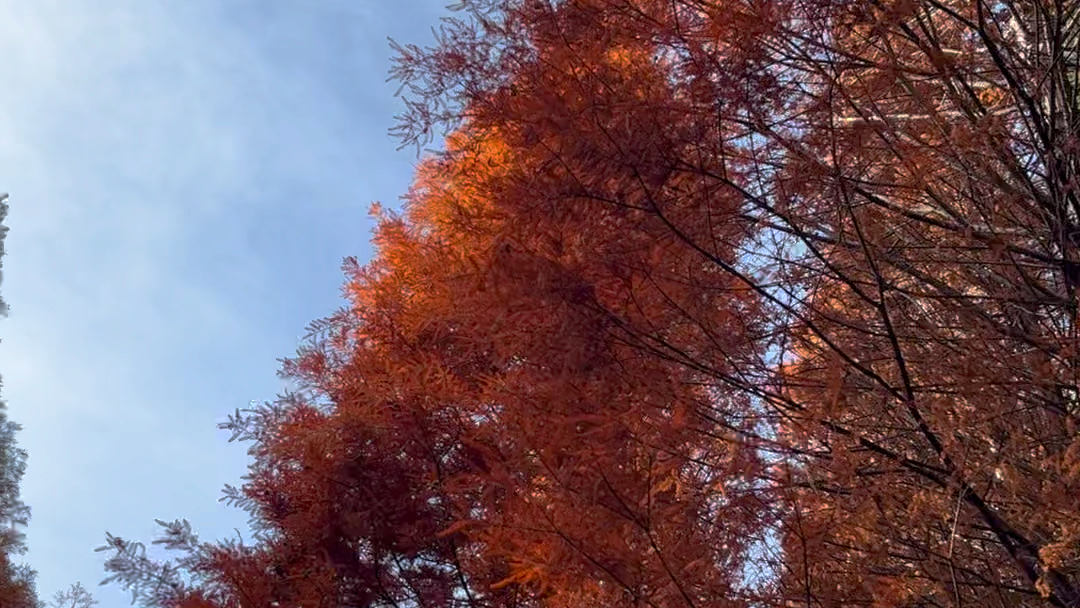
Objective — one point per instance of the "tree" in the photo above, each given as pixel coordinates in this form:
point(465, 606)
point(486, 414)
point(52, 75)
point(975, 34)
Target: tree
point(75, 596)
point(736, 303)
point(16, 580)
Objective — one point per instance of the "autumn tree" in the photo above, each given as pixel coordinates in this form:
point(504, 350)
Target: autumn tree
point(745, 303)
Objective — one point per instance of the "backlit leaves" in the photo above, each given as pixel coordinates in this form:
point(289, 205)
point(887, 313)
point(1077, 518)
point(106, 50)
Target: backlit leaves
point(736, 304)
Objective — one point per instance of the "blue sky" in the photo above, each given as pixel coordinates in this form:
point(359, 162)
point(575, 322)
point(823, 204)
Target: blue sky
point(185, 177)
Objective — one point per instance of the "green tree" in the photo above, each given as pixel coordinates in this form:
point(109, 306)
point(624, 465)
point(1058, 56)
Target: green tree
point(17, 588)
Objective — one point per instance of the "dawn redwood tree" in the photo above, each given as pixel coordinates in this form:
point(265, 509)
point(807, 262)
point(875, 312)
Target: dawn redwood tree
point(477, 433)
point(733, 303)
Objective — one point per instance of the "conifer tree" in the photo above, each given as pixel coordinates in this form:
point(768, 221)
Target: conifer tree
point(17, 588)
point(735, 303)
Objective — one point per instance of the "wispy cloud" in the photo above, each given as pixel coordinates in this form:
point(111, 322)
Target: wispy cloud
point(185, 178)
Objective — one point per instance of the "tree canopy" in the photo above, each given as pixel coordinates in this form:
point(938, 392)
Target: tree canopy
point(732, 303)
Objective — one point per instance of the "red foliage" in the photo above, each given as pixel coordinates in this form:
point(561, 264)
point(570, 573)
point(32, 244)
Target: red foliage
point(750, 303)
point(15, 590)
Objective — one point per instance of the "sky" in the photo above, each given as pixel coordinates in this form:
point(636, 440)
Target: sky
point(185, 178)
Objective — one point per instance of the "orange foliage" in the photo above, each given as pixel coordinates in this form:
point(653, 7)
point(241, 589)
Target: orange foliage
point(737, 304)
